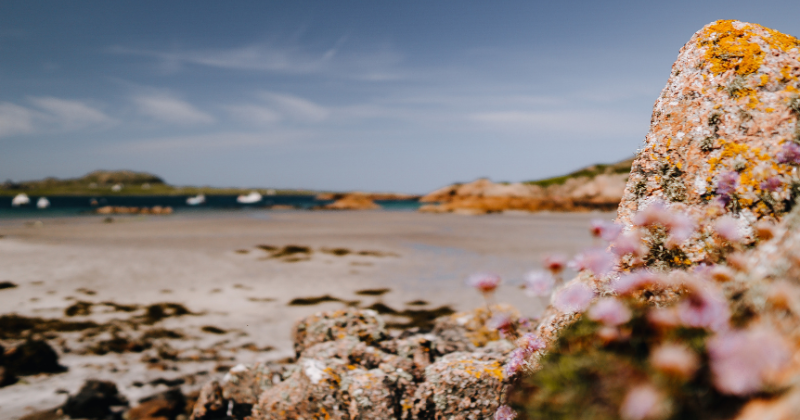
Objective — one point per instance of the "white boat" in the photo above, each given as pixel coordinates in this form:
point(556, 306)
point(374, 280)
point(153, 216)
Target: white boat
point(116, 188)
point(253, 197)
point(42, 203)
point(20, 199)
point(196, 200)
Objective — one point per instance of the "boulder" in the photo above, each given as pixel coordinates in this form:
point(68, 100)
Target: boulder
point(95, 400)
point(460, 385)
point(723, 133)
point(364, 325)
point(210, 404)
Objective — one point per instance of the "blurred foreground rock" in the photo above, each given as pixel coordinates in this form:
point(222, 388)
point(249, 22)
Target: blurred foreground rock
point(349, 366)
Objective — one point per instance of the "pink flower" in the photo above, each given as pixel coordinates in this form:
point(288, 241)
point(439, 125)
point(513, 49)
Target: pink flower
point(530, 343)
point(742, 361)
point(764, 230)
point(721, 274)
point(675, 359)
point(574, 297)
point(505, 412)
point(599, 261)
point(539, 283)
point(681, 227)
point(726, 185)
point(485, 283)
point(555, 263)
point(608, 231)
point(641, 402)
point(790, 153)
point(772, 184)
point(515, 362)
point(501, 322)
point(628, 243)
point(610, 312)
point(703, 307)
point(728, 228)
point(663, 317)
point(631, 282)
point(655, 213)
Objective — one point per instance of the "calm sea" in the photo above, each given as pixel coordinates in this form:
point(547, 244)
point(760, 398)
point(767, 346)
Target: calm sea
point(82, 205)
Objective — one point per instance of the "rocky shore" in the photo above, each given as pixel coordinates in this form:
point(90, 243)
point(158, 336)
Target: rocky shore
point(592, 188)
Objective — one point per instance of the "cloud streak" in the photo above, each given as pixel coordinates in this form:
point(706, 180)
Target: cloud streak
point(167, 108)
point(50, 114)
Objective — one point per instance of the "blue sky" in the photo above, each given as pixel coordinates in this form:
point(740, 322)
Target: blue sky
point(339, 95)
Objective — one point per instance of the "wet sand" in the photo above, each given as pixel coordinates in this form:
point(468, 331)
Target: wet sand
point(238, 272)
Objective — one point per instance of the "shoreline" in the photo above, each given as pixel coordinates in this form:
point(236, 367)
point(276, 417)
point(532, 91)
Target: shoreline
point(212, 265)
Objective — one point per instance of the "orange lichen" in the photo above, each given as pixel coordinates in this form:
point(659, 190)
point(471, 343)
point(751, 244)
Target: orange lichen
point(730, 48)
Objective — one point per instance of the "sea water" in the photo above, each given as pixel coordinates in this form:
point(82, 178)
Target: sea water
point(61, 206)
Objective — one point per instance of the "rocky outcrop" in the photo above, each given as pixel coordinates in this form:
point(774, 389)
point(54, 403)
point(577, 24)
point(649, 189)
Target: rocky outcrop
point(134, 210)
point(352, 202)
point(349, 366)
point(581, 191)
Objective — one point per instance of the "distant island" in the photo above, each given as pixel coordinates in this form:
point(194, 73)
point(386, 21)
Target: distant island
point(125, 182)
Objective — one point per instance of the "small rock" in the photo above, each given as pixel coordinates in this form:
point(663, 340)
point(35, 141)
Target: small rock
point(162, 406)
point(32, 357)
point(210, 404)
point(460, 385)
point(365, 325)
point(95, 400)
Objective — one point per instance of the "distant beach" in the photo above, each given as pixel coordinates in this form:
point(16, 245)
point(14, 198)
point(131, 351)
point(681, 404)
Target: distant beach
point(248, 276)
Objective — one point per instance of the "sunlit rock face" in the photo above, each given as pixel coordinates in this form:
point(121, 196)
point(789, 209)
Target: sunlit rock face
point(724, 133)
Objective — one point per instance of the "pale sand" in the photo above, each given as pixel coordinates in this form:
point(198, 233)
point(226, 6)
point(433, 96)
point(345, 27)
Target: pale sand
point(192, 259)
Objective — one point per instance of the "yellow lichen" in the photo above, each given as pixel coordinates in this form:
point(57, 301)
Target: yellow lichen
point(730, 48)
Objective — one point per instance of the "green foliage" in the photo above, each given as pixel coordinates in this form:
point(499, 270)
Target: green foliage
point(622, 167)
point(584, 377)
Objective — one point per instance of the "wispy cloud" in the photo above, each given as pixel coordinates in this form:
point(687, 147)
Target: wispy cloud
point(213, 141)
point(71, 115)
point(49, 114)
point(170, 109)
point(377, 65)
point(279, 107)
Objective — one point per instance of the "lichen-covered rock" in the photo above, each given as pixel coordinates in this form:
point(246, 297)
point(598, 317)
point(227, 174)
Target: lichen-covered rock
point(311, 391)
point(244, 384)
point(460, 386)
point(465, 331)
point(723, 133)
point(210, 404)
point(378, 394)
point(364, 325)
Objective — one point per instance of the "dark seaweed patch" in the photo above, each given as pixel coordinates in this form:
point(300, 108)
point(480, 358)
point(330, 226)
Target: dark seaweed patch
point(156, 333)
point(417, 303)
point(308, 301)
point(212, 329)
point(16, 326)
point(79, 308)
point(417, 318)
point(339, 252)
point(291, 250)
point(86, 291)
point(7, 285)
point(377, 254)
point(255, 299)
point(159, 311)
point(120, 308)
point(242, 251)
point(373, 292)
point(268, 248)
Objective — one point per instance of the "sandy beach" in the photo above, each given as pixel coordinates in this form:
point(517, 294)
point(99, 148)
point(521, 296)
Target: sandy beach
point(237, 273)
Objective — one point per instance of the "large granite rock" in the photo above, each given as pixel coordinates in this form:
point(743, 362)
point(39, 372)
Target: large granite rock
point(723, 135)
